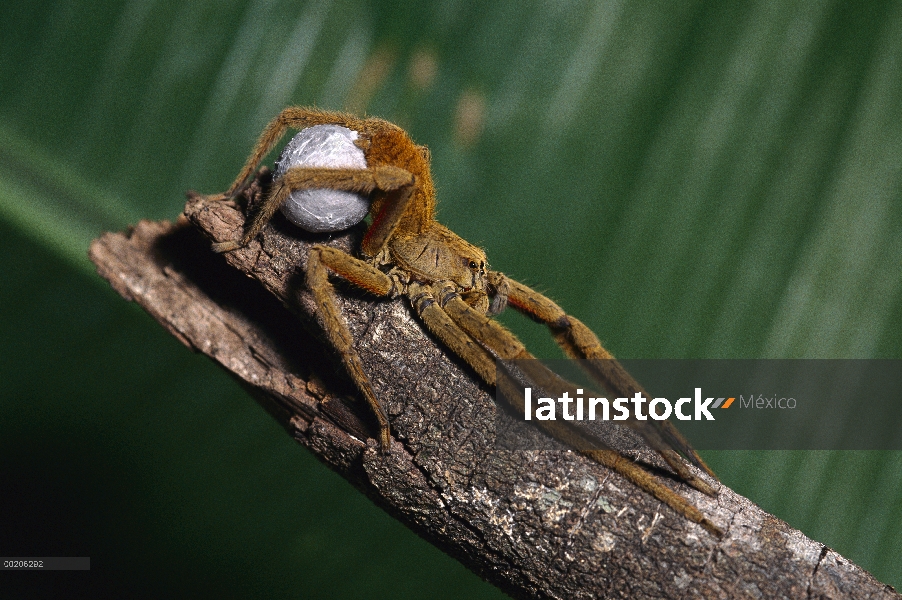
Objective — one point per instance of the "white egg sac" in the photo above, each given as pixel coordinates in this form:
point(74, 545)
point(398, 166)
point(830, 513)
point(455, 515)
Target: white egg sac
point(321, 210)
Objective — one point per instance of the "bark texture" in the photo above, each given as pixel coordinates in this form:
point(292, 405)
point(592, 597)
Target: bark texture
point(536, 524)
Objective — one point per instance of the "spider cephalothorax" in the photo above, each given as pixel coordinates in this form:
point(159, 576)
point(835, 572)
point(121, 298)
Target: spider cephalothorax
point(436, 255)
point(446, 279)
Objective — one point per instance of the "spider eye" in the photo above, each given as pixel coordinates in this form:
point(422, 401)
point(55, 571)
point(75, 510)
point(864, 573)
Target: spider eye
point(473, 265)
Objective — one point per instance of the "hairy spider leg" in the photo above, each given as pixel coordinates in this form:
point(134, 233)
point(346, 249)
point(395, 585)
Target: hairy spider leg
point(388, 214)
point(383, 143)
point(579, 342)
point(469, 333)
point(504, 344)
point(397, 182)
point(321, 260)
point(293, 117)
point(662, 436)
point(612, 459)
point(423, 299)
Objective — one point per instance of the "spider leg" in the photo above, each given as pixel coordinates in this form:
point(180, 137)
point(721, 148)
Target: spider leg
point(293, 117)
point(389, 214)
point(500, 286)
point(444, 328)
point(579, 342)
point(320, 261)
point(396, 181)
point(564, 431)
point(459, 320)
point(502, 343)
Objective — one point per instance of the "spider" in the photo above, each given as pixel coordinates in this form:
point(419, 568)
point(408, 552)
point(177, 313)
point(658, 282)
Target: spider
point(447, 281)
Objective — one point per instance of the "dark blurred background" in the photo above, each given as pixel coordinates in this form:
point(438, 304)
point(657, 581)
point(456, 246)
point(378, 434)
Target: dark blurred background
point(693, 179)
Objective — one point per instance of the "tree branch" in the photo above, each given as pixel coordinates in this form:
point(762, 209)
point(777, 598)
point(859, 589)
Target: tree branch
point(536, 524)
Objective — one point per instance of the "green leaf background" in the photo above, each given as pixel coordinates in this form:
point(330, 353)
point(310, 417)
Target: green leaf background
point(692, 179)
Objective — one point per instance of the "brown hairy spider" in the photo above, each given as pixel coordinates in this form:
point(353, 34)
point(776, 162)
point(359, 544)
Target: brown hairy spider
point(446, 279)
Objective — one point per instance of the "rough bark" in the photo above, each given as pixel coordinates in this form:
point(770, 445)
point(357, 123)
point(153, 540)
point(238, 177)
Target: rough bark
point(536, 524)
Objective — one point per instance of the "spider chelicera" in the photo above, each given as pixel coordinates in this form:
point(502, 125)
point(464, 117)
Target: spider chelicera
point(448, 283)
